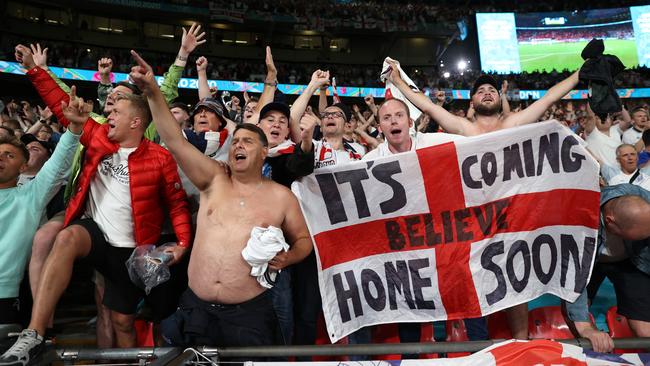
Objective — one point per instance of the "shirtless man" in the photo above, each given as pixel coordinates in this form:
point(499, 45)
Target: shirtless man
point(237, 310)
point(487, 106)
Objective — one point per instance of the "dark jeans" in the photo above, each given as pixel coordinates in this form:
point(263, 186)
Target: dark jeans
point(282, 297)
point(201, 323)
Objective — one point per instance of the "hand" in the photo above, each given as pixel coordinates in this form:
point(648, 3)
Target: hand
point(12, 107)
point(334, 85)
point(202, 64)
point(355, 108)
point(320, 78)
point(307, 124)
point(40, 56)
point(25, 57)
point(600, 341)
point(105, 66)
point(213, 91)
point(504, 87)
point(76, 111)
point(177, 252)
point(394, 75)
point(191, 39)
point(45, 114)
point(234, 101)
point(27, 111)
point(370, 101)
point(142, 75)
point(271, 70)
point(280, 261)
point(246, 97)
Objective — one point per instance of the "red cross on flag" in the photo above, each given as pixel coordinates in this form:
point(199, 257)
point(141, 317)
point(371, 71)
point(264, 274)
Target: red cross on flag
point(453, 231)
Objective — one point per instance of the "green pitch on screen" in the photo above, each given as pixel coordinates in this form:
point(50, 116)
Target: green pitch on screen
point(566, 55)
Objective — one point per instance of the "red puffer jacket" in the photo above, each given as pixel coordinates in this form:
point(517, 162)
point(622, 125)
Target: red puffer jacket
point(153, 173)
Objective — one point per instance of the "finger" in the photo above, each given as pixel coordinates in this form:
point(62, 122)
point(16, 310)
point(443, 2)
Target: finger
point(45, 51)
point(201, 41)
point(64, 105)
point(141, 62)
point(33, 48)
point(197, 30)
point(38, 47)
point(73, 93)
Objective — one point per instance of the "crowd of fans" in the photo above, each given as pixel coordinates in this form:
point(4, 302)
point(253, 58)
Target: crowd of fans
point(72, 55)
point(205, 164)
point(573, 35)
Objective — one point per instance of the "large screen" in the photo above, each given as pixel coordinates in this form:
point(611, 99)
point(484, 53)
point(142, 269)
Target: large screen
point(526, 42)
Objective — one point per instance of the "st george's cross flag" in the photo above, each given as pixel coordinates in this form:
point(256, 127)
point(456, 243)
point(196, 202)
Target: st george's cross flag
point(453, 231)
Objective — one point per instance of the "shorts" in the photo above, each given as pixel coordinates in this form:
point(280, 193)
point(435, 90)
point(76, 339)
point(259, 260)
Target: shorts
point(197, 322)
point(120, 294)
point(10, 311)
point(631, 285)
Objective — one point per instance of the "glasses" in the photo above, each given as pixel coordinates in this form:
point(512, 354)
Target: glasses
point(331, 114)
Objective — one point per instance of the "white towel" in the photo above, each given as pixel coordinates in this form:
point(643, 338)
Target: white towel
point(262, 246)
point(393, 91)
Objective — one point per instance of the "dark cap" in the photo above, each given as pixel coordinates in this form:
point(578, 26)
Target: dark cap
point(276, 106)
point(484, 79)
point(212, 105)
point(28, 138)
point(347, 114)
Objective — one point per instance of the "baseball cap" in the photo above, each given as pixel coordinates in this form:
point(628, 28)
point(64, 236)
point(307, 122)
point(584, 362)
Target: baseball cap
point(28, 138)
point(276, 106)
point(212, 105)
point(484, 79)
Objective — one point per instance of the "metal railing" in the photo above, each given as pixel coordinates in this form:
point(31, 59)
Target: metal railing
point(176, 356)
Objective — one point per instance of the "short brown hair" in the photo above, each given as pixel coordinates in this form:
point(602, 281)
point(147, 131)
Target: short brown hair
point(139, 104)
point(251, 127)
point(408, 112)
point(13, 141)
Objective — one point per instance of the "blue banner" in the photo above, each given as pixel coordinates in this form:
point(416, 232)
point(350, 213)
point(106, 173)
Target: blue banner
point(291, 89)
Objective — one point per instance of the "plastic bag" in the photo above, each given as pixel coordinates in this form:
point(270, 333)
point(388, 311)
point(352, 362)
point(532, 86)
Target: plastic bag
point(148, 266)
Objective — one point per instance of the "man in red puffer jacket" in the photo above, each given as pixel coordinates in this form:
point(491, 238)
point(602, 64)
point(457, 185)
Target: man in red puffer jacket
point(125, 187)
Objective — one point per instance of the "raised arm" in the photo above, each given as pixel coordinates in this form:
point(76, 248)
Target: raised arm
point(449, 122)
point(505, 105)
point(322, 98)
point(200, 169)
point(270, 86)
point(626, 122)
point(537, 109)
point(590, 120)
point(318, 78)
point(202, 74)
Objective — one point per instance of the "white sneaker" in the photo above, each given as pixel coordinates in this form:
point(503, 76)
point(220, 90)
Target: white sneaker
point(27, 347)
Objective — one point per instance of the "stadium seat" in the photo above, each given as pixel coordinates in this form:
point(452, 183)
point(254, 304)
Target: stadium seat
point(323, 338)
point(386, 333)
point(144, 333)
point(619, 328)
point(427, 335)
point(548, 323)
point(456, 332)
point(498, 327)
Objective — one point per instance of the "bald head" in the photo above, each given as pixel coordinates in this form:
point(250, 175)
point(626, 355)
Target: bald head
point(628, 217)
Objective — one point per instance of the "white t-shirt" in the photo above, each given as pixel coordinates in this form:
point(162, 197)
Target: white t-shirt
point(641, 180)
point(632, 136)
point(324, 155)
point(109, 201)
point(420, 141)
point(604, 147)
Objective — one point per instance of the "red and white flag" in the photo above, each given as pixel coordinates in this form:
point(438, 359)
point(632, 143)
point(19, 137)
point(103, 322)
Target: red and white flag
point(454, 231)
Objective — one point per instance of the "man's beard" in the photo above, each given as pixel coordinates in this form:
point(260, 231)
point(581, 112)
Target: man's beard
point(484, 110)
